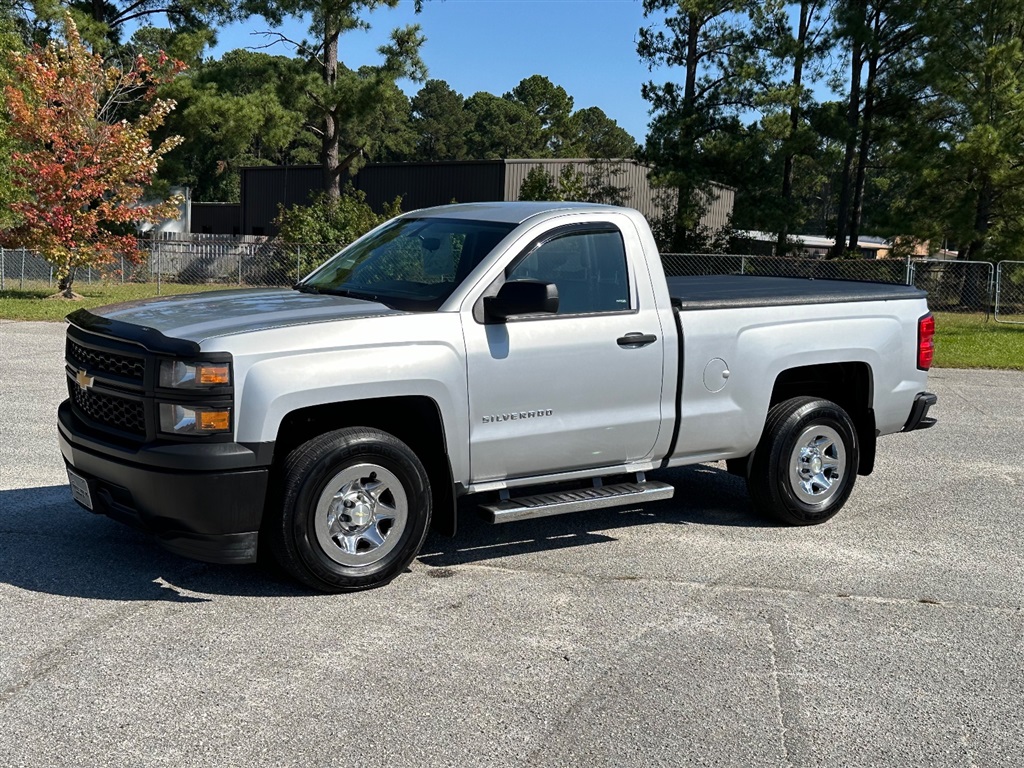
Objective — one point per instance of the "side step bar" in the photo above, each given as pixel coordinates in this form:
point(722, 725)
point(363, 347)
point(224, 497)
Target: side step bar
point(560, 502)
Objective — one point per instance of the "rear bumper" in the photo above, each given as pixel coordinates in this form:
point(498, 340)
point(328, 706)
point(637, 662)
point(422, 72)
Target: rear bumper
point(919, 418)
point(206, 507)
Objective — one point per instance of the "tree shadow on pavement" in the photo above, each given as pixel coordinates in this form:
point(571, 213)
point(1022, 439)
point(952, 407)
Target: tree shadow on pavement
point(49, 544)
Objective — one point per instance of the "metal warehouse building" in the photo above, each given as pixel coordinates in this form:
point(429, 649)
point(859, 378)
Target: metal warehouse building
point(422, 185)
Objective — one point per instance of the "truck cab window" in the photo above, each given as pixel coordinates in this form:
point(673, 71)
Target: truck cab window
point(589, 269)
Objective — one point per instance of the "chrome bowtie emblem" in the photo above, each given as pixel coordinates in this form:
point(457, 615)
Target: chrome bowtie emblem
point(84, 379)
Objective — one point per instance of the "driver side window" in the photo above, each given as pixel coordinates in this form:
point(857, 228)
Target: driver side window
point(589, 269)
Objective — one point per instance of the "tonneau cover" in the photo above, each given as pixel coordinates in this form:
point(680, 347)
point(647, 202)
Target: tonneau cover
point(721, 291)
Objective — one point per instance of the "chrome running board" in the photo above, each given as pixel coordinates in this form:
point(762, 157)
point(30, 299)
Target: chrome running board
point(580, 500)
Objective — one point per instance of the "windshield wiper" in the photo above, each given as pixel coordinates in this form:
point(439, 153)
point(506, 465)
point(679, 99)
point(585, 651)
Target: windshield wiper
point(346, 292)
point(349, 293)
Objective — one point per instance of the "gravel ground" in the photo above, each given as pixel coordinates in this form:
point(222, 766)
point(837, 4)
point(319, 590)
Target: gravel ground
point(688, 632)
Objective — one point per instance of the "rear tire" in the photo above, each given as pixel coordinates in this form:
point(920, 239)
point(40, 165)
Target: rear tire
point(355, 511)
point(804, 467)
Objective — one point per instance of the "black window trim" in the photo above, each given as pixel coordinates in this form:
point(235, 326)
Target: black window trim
point(580, 228)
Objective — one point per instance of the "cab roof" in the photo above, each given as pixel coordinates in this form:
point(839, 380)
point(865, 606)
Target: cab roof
point(507, 213)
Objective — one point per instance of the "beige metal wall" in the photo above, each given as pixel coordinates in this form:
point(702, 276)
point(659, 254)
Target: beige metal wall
point(630, 175)
point(718, 212)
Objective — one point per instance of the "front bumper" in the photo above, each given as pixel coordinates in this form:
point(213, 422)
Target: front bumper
point(919, 418)
point(203, 501)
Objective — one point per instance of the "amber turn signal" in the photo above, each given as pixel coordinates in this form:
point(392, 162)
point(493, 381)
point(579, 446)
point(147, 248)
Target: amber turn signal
point(181, 375)
point(214, 421)
point(213, 375)
point(192, 420)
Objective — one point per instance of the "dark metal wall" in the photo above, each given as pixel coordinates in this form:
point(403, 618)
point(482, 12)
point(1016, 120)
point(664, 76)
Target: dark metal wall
point(422, 185)
point(216, 218)
point(267, 187)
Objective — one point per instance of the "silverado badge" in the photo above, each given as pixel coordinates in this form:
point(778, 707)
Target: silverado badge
point(84, 379)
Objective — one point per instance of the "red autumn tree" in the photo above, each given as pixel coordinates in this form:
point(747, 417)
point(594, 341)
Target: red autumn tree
point(80, 165)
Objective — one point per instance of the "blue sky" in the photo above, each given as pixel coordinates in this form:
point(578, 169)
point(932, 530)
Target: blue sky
point(586, 46)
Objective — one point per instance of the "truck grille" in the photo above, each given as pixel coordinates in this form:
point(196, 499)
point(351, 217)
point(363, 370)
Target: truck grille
point(113, 381)
point(115, 412)
point(113, 363)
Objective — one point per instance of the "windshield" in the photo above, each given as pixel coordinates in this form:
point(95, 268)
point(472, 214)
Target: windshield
point(410, 264)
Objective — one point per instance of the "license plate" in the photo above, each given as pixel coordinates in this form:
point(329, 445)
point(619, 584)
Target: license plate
point(80, 489)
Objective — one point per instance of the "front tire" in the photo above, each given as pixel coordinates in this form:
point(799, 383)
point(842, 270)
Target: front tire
point(804, 467)
point(356, 510)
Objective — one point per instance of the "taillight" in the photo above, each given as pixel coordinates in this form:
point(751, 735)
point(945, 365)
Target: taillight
point(925, 342)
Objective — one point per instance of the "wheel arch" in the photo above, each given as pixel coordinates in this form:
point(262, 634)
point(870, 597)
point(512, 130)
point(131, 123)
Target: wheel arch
point(849, 385)
point(416, 420)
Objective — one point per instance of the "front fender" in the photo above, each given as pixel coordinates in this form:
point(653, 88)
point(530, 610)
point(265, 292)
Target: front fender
point(273, 388)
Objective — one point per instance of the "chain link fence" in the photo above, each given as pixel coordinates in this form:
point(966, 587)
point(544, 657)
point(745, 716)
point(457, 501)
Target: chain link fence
point(25, 270)
point(952, 286)
point(1009, 301)
point(227, 262)
point(956, 286)
point(695, 264)
point(174, 263)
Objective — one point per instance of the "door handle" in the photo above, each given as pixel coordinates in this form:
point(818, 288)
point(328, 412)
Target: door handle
point(636, 340)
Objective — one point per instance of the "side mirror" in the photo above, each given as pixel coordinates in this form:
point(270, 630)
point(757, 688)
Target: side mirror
point(522, 297)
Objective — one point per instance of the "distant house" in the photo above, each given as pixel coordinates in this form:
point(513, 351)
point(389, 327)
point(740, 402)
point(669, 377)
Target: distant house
point(758, 243)
point(181, 223)
point(808, 246)
point(421, 185)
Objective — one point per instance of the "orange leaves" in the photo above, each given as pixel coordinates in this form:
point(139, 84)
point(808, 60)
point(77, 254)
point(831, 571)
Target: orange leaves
point(85, 158)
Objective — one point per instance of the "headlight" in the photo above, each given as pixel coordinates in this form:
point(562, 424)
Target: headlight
point(186, 420)
point(175, 373)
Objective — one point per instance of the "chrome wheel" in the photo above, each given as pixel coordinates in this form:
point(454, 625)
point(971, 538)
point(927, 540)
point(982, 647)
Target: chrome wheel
point(361, 514)
point(817, 464)
point(804, 468)
point(355, 510)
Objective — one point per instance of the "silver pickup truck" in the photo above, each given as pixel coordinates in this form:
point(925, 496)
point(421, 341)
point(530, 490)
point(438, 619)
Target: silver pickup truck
point(531, 354)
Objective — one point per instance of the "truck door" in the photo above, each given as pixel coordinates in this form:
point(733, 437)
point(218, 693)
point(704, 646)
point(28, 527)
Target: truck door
point(580, 388)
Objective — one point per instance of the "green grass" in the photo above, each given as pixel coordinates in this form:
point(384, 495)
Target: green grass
point(32, 302)
point(961, 341)
point(967, 341)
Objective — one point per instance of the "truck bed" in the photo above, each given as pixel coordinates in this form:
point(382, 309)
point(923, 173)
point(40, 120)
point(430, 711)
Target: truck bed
point(734, 291)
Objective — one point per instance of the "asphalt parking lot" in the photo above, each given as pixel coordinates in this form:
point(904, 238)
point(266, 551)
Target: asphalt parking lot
point(688, 632)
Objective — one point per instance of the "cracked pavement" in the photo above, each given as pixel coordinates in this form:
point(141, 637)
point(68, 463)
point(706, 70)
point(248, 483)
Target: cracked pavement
point(687, 632)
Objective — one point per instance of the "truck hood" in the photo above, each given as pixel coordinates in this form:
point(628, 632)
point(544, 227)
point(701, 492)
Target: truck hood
point(200, 316)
